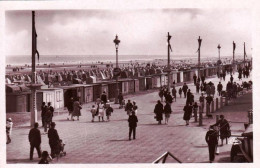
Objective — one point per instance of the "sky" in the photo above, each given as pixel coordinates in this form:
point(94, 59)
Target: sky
point(142, 31)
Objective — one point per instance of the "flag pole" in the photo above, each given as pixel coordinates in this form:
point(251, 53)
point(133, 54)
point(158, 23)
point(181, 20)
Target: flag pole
point(244, 54)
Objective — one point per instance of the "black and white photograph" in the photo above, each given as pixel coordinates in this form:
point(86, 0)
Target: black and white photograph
point(168, 85)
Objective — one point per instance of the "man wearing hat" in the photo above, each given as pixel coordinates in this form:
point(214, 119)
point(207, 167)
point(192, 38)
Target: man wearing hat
point(35, 140)
point(53, 139)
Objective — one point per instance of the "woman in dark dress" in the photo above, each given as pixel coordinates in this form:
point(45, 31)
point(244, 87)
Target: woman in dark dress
point(158, 110)
point(187, 113)
point(167, 110)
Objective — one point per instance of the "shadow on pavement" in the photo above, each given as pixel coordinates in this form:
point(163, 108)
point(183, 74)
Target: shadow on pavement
point(150, 124)
point(117, 140)
point(201, 146)
point(224, 160)
point(24, 161)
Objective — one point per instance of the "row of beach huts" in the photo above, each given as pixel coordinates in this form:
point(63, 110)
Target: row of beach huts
point(18, 96)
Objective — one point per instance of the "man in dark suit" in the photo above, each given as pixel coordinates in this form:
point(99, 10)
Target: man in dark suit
point(212, 141)
point(35, 140)
point(132, 125)
point(49, 107)
point(53, 139)
point(43, 108)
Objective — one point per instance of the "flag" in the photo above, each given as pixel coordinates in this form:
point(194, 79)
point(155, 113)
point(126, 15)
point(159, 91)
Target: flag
point(199, 41)
point(38, 55)
point(168, 40)
point(234, 46)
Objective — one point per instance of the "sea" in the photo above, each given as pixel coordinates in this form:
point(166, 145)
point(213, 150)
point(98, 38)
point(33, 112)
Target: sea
point(21, 60)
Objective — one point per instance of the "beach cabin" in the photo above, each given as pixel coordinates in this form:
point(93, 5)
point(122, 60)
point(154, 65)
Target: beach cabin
point(136, 81)
point(15, 100)
point(70, 91)
point(142, 86)
point(81, 89)
point(53, 95)
point(124, 86)
point(163, 79)
point(174, 77)
point(156, 81)
point(88, 93)
point(18, 98)
point(112, 90)
point(149, 82)
point(98, 89)
point(131, 86)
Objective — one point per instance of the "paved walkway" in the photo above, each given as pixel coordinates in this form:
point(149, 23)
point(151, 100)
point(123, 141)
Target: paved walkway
point(107, 142)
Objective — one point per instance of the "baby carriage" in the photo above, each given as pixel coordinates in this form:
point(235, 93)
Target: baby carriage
point(122, 105)
point(60, 149)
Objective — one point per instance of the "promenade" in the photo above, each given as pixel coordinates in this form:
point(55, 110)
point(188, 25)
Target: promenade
point(107, 142)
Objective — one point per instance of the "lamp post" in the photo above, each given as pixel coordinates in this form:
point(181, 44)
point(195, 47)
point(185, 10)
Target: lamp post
point(34, 85)
point(199, 41)
point(234, 48)
point(168, 64)
point(116, 70)
point(244, 54)
point(219, 61)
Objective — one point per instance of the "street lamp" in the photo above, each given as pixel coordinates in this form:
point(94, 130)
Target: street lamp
point(168, 65)
point(219, 51)
point(116, 71)
point(199, 41)
point(219, 61)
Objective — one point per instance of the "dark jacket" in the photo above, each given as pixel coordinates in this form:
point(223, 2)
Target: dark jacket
point(187, 112)
point(70, 105)
point(35, 136)
point(43, 108)
point(53, 136)
point(224, 128)
point(132, 121)
point(129, 107)
point(220, 87)
point(211, 137)
point(167, 109)
point(158, 110)
point(104, 98)
point(184, 88)
point(109, 110)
